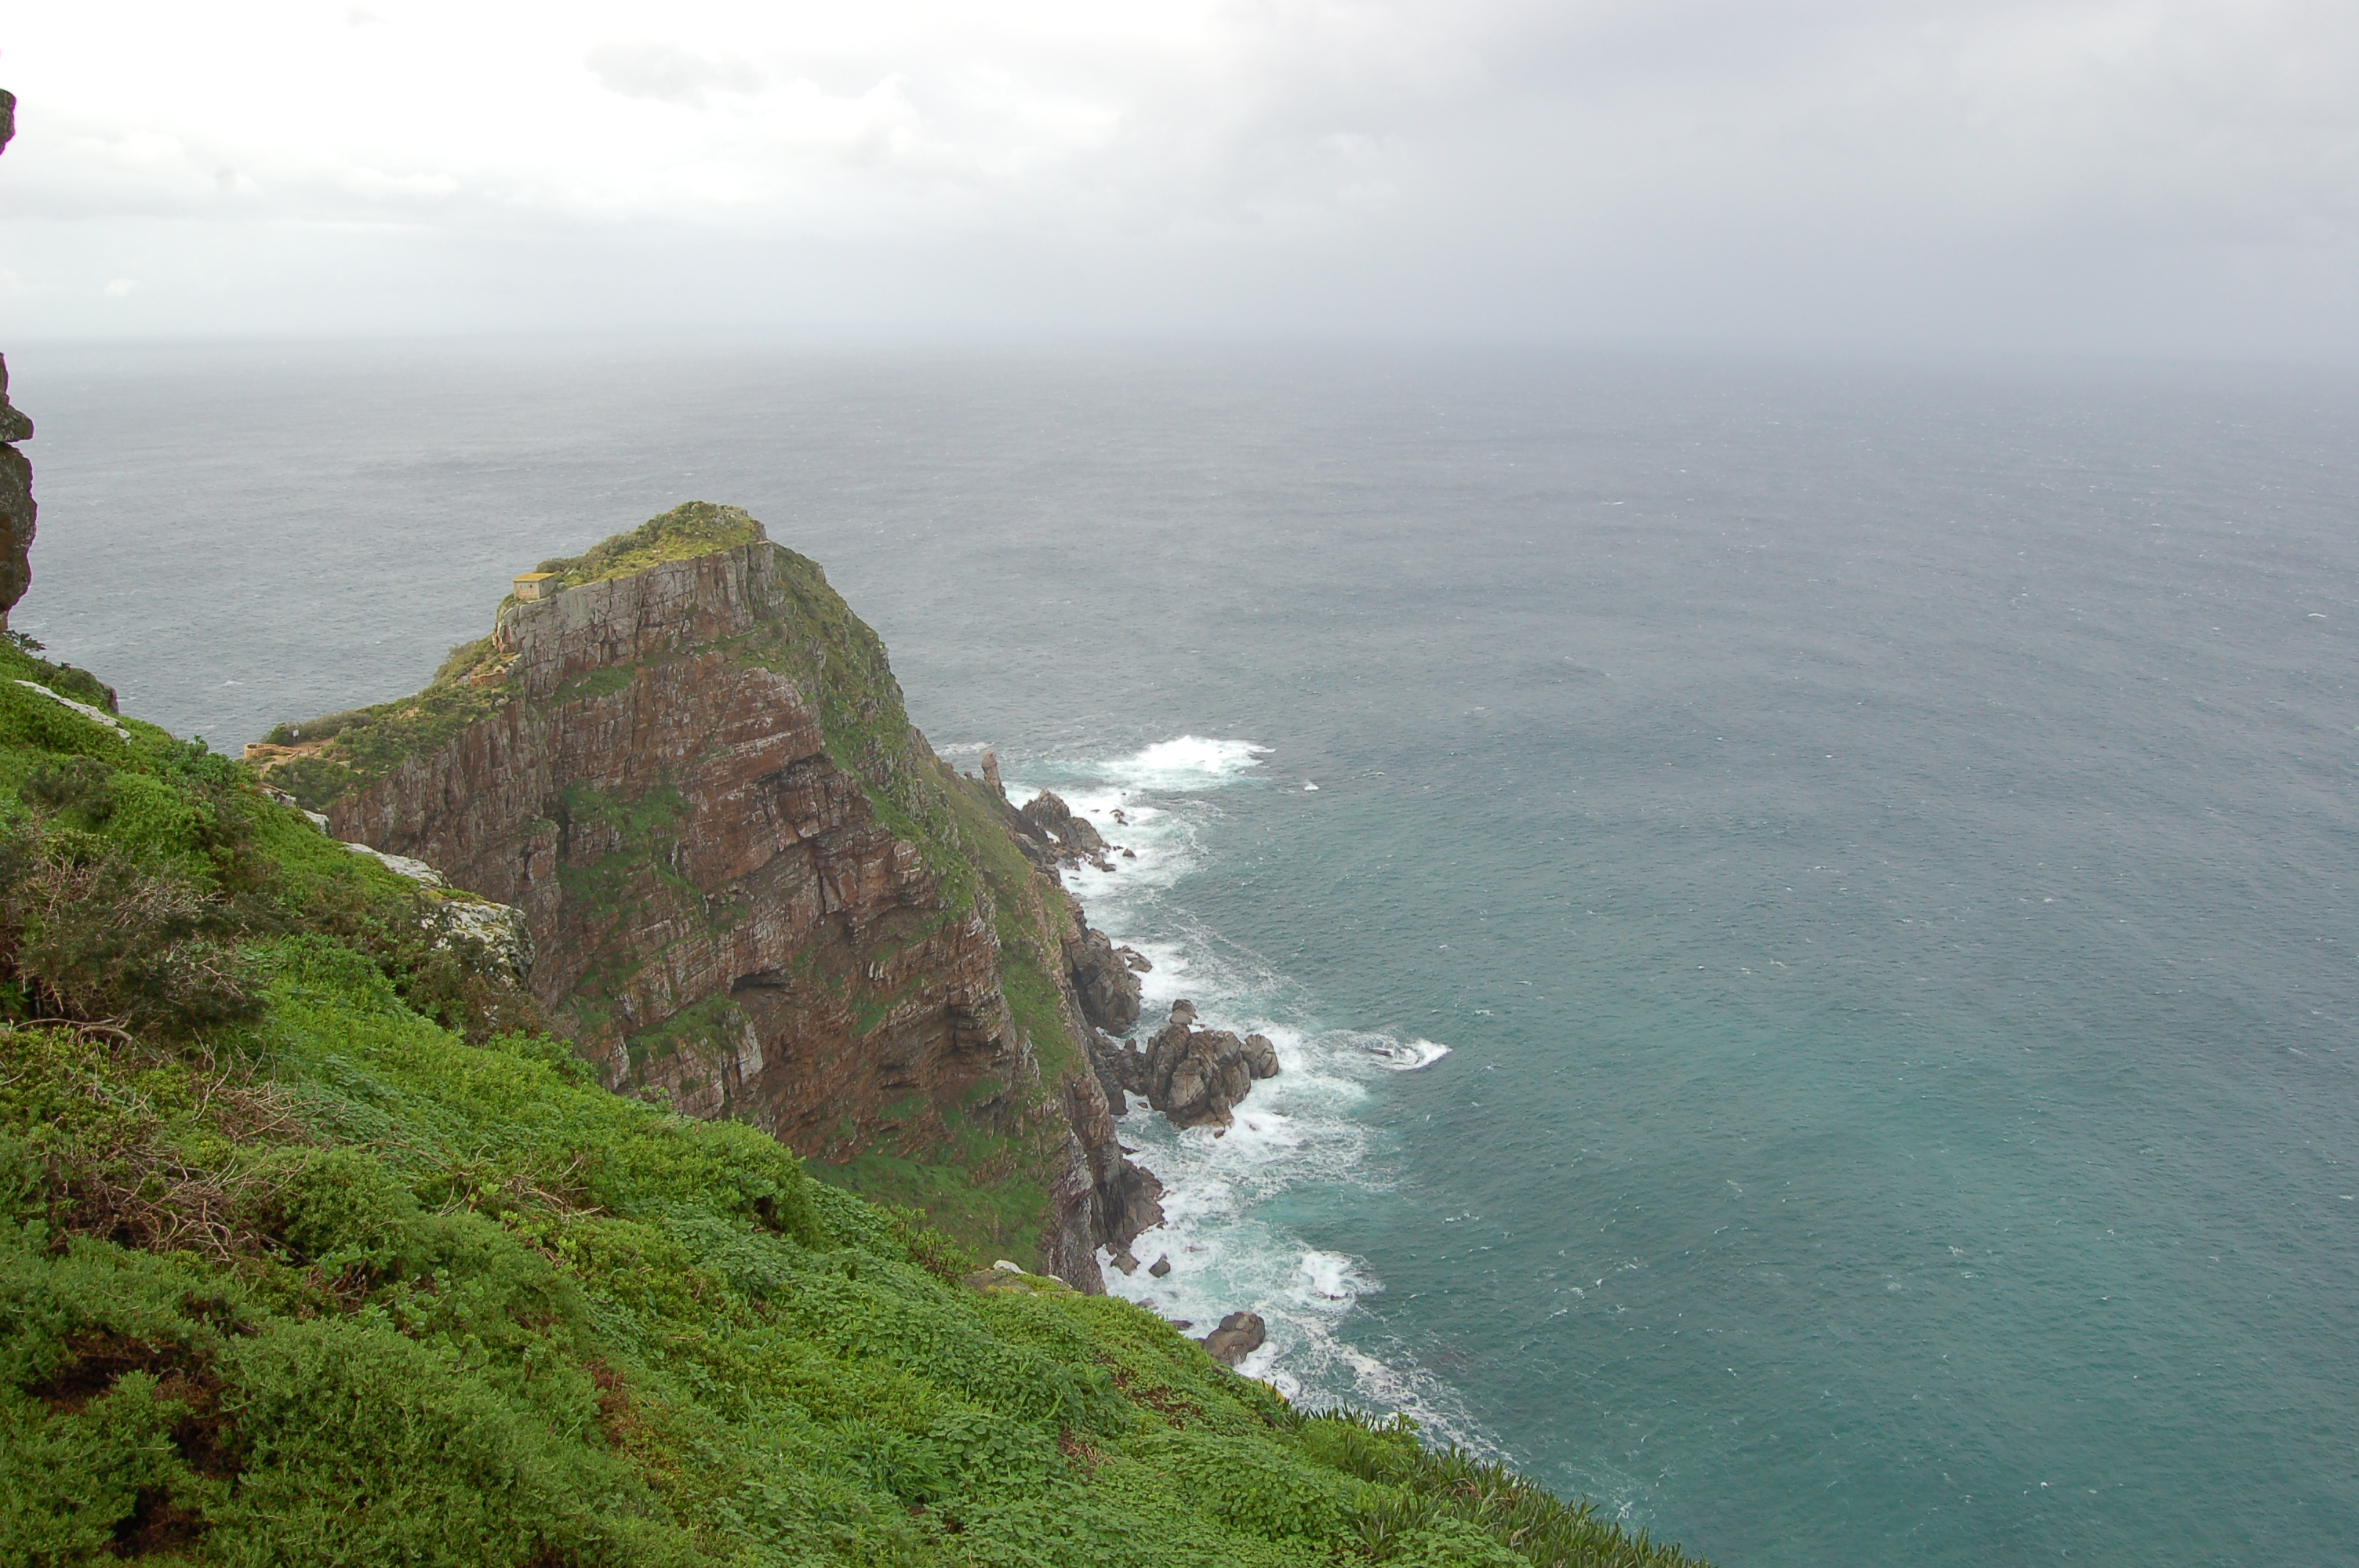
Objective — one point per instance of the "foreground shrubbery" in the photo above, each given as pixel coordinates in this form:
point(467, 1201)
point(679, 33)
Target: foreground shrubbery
point(313, 1249)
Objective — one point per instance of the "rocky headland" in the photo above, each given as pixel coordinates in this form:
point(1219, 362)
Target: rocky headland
point(752, 889)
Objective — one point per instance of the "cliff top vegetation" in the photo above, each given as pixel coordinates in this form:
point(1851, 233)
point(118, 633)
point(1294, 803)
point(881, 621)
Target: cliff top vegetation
point(316, 759)
point(316, 1248)
point(691, 529)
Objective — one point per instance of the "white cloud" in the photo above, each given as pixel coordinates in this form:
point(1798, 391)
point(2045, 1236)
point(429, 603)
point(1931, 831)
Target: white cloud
point(2079, 172)
point(668, 73)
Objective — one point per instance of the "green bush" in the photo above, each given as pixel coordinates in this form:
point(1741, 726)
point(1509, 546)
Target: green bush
point(107, 941)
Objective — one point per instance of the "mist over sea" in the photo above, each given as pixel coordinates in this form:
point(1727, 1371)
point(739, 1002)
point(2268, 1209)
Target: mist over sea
point(1879, 846)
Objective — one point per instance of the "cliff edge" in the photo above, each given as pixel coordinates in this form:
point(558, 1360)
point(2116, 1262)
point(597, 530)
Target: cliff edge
point(751, 886)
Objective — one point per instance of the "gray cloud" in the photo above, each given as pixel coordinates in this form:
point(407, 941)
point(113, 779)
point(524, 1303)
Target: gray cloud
point(2108, 175)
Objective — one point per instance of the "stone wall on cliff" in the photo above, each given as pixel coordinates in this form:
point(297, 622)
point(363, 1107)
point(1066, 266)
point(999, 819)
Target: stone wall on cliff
point(752, 888)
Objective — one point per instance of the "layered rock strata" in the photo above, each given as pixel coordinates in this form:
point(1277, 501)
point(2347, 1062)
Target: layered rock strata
point(752, 887)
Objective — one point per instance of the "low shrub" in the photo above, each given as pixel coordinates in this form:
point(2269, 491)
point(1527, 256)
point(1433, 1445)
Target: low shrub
point(103, 940)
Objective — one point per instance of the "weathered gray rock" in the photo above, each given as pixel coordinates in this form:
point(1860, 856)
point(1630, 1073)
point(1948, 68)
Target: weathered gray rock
point(502, 929)
point(1055, 832)
point(1240, 1334)
point(1160, 1267)
point(1195, 1077)
point(1123, 1199)
point(1103, 979)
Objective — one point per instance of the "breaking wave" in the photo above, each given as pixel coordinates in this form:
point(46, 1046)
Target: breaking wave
point(1301, 1132)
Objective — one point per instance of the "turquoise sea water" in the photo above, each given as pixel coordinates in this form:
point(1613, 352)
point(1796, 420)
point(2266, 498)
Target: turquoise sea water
point(1877, 845)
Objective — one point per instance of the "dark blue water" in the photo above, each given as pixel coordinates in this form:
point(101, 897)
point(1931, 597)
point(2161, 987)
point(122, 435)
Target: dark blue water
point(1879, 844)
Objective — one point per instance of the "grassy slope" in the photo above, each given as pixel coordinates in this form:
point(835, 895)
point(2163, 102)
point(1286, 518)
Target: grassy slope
point(329, 1281)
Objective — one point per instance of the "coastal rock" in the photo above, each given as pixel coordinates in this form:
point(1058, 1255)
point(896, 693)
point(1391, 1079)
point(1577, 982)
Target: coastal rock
point(1104, 980)
point(1160, 1267)
point(500, 928)
point(1261, 1057)
point(1067, 838)
point(1195, 1077)
point(1124, 1200)
point(1240, 1334)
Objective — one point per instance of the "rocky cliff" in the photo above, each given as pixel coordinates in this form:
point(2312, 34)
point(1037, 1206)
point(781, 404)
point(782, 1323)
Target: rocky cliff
point(16, 509)
point(751, 885)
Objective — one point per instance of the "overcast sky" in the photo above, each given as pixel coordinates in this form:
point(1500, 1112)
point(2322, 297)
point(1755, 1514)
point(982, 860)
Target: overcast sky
point(2133, 176)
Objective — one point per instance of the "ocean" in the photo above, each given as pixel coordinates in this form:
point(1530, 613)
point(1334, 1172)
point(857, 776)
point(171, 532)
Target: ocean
point(1807, 908)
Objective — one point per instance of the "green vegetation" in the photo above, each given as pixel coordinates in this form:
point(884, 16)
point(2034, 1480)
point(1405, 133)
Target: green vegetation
point(1000, 1219)
point(315, 1249)
point(691, 529)
point(343, 751)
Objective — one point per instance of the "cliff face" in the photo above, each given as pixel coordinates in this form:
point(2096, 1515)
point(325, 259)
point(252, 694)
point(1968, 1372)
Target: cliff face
point(16, 508)
point(753, 886)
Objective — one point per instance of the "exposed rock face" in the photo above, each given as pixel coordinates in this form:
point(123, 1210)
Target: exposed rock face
point(1102, 979)
point(1240, 1334)
point(500, 928)
point(1123, 1199)
point(16, 509)
point(1195, 1077)
point(1051, 835)
point(683, 798)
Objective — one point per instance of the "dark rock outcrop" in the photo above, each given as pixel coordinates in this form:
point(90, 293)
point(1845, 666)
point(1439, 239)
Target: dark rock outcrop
point(1119, 1199)
point(18, 511)
point(1104, 978)
point(1195, 1077)
point(1240, 1334)
point(1052, 835)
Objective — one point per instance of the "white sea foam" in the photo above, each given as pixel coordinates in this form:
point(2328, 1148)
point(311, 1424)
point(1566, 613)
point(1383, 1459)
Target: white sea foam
point(1189, 762)
point(1299, 1132)
point(1413, 1054)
